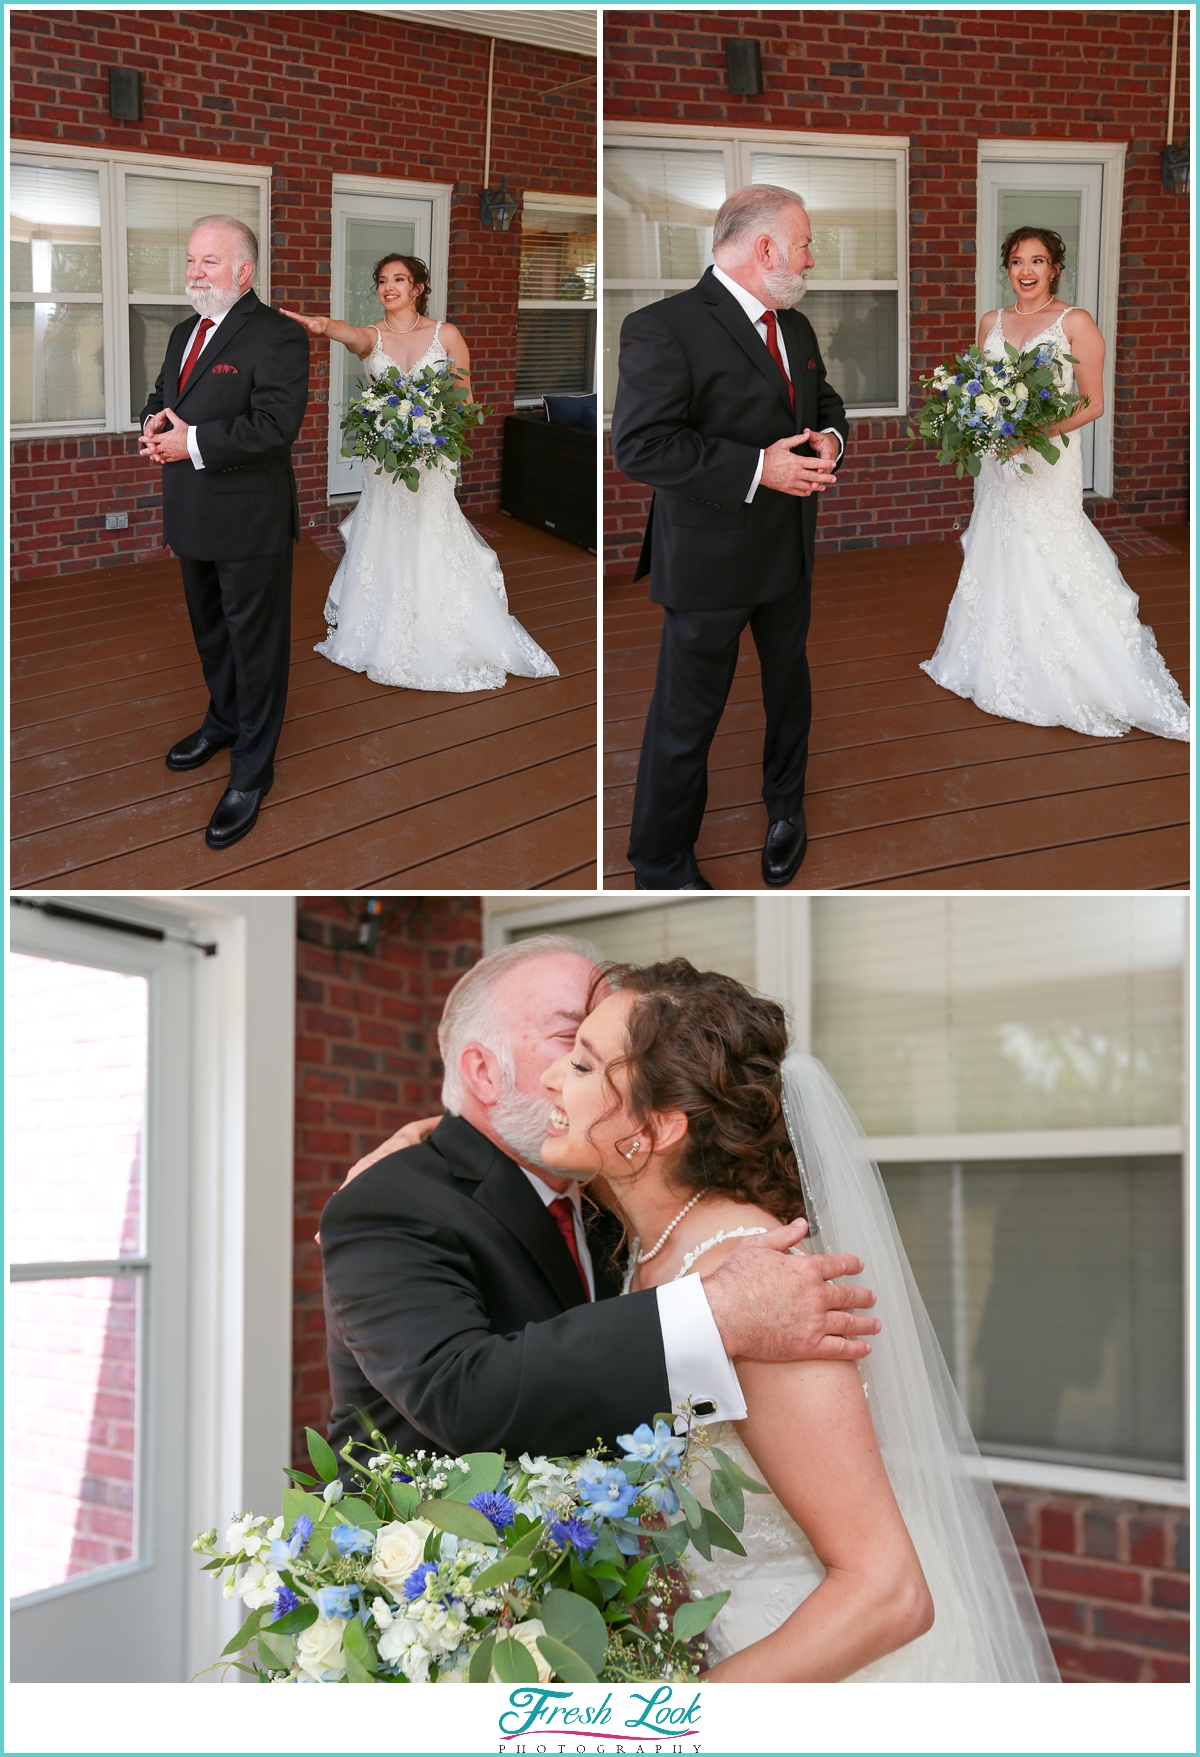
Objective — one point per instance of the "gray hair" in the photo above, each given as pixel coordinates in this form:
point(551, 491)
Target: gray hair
point(747, 214)
point(472, 1015)
point(247, 242)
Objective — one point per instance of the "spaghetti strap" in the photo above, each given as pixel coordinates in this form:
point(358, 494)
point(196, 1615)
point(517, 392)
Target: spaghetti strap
point(437, 329)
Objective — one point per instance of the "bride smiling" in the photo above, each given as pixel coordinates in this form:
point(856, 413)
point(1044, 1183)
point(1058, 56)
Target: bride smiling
point(881, 1553)
point(419, 600)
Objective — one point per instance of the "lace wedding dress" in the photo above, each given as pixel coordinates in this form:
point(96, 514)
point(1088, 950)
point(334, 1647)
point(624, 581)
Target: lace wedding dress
point(1042, 627)
point(419, 601)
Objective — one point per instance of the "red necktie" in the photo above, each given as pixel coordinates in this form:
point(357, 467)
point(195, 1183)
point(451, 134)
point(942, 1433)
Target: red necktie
point(563, 1212)
point(768, 318)
point(206, 324)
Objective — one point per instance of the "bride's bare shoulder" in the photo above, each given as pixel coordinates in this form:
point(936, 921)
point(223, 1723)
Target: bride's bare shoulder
point(719, 1227)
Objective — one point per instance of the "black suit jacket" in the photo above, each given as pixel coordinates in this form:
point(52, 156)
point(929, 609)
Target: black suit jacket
point(698, 397)
point(455, 1316)
point(246, 398)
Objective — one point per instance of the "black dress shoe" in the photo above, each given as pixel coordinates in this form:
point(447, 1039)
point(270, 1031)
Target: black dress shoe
point(696, 884)
point(192, 752)
point(235, 816)
point(784, 850)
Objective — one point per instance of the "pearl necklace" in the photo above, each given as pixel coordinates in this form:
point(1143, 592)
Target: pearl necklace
point(401, 332)
point(645, 1256)
point(1036, 309)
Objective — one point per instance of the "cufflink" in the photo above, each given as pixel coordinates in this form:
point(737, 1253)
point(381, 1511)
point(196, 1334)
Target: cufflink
point(703, 1406)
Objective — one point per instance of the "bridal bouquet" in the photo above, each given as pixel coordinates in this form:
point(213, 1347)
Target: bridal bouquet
point(976, 407)
point(480, 1570)
point(404, 421)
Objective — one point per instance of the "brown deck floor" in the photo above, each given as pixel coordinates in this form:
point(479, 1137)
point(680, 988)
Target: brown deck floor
point(909, 787)
point(375, 788)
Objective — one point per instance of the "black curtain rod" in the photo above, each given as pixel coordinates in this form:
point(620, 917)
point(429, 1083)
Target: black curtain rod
point(64, 912)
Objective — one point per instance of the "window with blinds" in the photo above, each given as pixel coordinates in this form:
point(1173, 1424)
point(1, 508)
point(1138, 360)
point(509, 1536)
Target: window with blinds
point(556, 317)
point(98, 250)
point(661, 198)
point(717, 935)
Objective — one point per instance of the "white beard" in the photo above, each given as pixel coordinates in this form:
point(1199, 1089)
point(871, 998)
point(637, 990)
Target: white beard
point(522, 1123)
point(207, 301)
point(785, 287)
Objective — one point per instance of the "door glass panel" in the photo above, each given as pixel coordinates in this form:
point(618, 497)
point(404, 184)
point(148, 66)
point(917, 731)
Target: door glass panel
point(851, 206)
point(76, 1100)
point(72, 1348)
point(1089, 1369)
point(366, 242)
point(1059, 210)
point(54, 230)
point(717, 936)
point(56, 362)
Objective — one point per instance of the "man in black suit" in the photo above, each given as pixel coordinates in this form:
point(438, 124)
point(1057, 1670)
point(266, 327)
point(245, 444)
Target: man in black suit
point(723, 407)
point(222, 420)
point(468, 1308)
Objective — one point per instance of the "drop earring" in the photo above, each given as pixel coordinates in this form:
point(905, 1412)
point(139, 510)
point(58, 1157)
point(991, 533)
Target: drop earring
point(636, 1148)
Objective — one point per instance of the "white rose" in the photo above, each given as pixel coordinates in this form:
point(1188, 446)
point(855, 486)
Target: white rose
point(399, 1547)
point(319, 1650)
point(527, 1634)
point(986, 405)
point(454, 1677)
point(1021, 392)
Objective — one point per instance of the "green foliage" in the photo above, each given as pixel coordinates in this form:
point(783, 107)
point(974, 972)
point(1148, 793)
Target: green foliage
point(577, 1624)
point(513, 1663)
point(247, 1632)
point(568, 1667)
point(466, 1522)
point(321, 1453)
point(486, 1470)
point(692, 1618)
point(737, 1474)
point(480, 1670)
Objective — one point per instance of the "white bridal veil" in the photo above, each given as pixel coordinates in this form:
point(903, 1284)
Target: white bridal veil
point(986, 1627)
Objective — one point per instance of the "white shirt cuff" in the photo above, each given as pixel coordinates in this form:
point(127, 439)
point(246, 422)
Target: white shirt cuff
point(757, 479)
point(840, 440)
point(194, 449)
point(698, 1369)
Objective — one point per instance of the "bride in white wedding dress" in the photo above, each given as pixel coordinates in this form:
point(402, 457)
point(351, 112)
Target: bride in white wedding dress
point(880, 1553)
point(1042, 627)
point(418, 601)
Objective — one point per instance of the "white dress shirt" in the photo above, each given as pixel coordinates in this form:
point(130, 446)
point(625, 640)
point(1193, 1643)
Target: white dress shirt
point(698, 1369)
point(217, 321)
point(754, 309)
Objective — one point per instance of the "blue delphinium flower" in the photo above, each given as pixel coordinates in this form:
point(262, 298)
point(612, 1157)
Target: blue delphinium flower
point(609, 1493)
point(661, 1496)
point(440, 439)
point(352, 1540)
point(285, 1601)
point(495, 1505)
point(1044, 394)
point(336, 1601)
point(974, 388)
point(281, 1552)
point(574, 1532)
point(657, 1446)
point(414, 1586)
point(1006, 427)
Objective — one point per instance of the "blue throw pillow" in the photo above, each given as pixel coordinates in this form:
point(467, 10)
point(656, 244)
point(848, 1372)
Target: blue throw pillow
point(571, 411)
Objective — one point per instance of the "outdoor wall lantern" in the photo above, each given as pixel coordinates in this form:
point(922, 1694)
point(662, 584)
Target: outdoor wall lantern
point(1176, 167)
point(497, 207)
point(743, 66)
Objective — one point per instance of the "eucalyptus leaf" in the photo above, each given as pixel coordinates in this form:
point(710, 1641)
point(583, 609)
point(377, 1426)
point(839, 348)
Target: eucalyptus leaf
point(577, 1623)
point(692, 1510)
point(507, 1568)
point(247, 1631)
point(719, 1534)
point(354, 1641)
point(728, 1500)
point(567, 1665)
point(692, 1618)
point(356, 1671)
point(486, 1470)
point(672, 1542)
point(351, 1511)
point(279, 1649)
point(738, 1474)
point(321, 1452)
point(480, 1669)
point(404, 1497)
point(513, 1663)
point(466, 1522)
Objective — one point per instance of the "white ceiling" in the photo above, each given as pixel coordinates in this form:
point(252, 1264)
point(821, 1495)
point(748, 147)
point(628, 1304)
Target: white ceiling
point(570, 30)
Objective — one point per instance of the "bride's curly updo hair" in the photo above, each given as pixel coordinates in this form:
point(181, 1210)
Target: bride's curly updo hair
point(702, 1043)
point(416, 268)
point(1053, 245)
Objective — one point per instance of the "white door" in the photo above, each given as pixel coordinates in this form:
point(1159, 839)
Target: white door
point(1068, 199)
point(365, 227)
point(97, 1186)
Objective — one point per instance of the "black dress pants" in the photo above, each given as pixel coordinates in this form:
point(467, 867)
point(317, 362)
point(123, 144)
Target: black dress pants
point(241, 613)
point(696, 660)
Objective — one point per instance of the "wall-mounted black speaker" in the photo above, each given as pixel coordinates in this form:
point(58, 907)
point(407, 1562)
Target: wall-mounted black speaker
point(743, 65)
point(125, 94)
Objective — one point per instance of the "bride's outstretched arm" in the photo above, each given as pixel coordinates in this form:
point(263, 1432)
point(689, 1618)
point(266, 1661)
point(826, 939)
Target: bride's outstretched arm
point(810, 1433)
point(359, 341)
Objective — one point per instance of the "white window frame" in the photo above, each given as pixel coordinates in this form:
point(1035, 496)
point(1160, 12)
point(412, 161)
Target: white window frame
point(579, 204)
point(1111, 155)
point(344, 187)
point(115, 294)
point(783, 969)
point(737, 145)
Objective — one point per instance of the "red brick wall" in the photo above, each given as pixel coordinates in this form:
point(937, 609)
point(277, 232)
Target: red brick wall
point(366, 1063)
point(1112, 1583)
point(945, 79)
point(308, 94)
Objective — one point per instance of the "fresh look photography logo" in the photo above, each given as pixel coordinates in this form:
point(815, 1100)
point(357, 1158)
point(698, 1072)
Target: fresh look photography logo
point(653, 1718)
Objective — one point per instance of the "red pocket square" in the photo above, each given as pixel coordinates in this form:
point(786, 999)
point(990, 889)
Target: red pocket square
point(812, 366)
point(222, 367)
